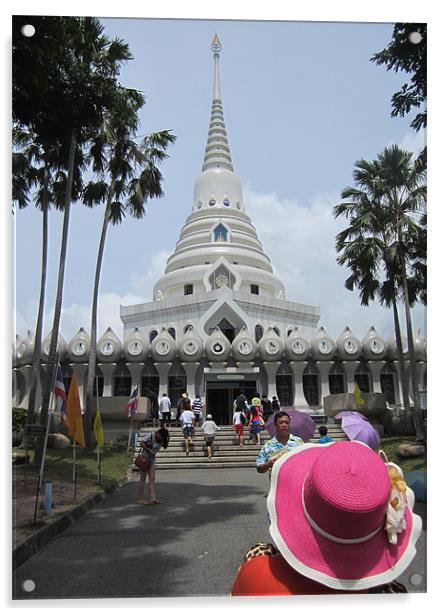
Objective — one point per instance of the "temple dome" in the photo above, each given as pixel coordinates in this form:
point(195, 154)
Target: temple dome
point(297, 347)
point(348, 345)
point(135, 347)
point(323, 348)
point(109, 347)
point(78, 347)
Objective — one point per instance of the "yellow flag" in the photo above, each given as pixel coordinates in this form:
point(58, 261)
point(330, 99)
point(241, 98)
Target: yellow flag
point(98, 430)
point(358, 395)
point(74, 416)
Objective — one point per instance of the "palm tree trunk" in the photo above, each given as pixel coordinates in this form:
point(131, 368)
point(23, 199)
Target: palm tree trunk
point(405, 393)
point(418, 415)
point(51, 366)
point(88, 417)
point(35, 371)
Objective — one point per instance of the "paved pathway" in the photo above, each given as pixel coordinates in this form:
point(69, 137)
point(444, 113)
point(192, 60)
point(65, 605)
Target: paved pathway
point(191, 545)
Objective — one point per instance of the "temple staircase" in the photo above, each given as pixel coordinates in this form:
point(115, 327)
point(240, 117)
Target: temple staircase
point(226, 451)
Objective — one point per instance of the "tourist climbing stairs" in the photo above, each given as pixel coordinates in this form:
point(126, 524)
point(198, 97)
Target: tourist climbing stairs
point(226, 451)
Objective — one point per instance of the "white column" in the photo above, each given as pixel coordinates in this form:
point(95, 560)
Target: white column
point(398, 383)
point(271, 368)
point(324, 368)
point(80, 371)
point(135, 370)
point(376, 368)
point(298, 367)
point(190, 369)
point(107, 372)
point(350, 369)
point(163, 371)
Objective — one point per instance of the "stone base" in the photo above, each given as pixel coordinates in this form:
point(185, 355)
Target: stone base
point(374, 404)
point(58, 441)
point(411, 451)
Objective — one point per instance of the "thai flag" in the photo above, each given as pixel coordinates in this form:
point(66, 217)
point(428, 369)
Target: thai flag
point(133, 403)
point(60, 393)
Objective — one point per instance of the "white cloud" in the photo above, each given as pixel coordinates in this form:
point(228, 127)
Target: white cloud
point(144, 283)
point(413, 141)
point(79, 315)
point(300, 240)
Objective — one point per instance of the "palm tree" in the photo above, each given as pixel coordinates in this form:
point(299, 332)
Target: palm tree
point(62, 87)
point(384, 214)
point(128, 176)
point(24, 176)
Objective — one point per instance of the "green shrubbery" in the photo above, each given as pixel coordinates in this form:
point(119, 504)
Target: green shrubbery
point(19, 416)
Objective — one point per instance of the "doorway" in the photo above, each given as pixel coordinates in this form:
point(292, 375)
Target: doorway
point(220, 397)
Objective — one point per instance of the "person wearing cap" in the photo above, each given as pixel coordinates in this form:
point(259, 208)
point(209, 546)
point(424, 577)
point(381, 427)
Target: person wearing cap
point(339, 522)
point(279, 444)
point(209, 429)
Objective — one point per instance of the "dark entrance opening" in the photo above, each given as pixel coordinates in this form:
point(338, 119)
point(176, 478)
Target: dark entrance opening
point(220, 397)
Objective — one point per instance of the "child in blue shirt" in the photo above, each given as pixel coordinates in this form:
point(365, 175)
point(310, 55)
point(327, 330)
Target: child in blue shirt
point(324, 438)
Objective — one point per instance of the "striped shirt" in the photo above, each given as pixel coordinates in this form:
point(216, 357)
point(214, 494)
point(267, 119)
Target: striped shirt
point(197, 405)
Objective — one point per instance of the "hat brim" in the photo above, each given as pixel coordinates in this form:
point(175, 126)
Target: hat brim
point(336, 565)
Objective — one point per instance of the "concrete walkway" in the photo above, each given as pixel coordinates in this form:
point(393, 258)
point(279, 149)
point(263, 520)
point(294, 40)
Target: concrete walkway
point(191, 545)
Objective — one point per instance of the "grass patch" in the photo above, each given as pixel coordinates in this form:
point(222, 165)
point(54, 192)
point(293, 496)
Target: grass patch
point(390, 446)
point(114, 460)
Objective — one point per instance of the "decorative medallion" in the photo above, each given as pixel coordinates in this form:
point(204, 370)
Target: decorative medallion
point(163, 347)
point(324, 347)
point(217, 348)
point(245, 347)
point(222, 281)
point(190, 347)
point(79, 348)
point(226, 202)
point(212, 202)
point(376, 346)
point(299, 347)
point(135, 348)
point(272, 347)
point(107, 348)
point(351, 347)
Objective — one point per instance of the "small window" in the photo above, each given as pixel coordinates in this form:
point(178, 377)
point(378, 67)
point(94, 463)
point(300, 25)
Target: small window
point(254, 289)
point(172, 332)
point(153, 335)
point(188, 289)
point(220, 233)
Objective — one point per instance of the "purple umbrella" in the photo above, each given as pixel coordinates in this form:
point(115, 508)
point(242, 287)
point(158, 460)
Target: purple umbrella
point(349, 414)
point(301, 424)
point(358, 429)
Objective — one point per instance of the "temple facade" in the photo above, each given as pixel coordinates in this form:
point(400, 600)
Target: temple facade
point(220, 322)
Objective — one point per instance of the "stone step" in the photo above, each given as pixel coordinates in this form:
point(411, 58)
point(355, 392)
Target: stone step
point(226, 451)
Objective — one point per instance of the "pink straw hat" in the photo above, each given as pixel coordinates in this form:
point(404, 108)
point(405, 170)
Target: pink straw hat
point(328, 505)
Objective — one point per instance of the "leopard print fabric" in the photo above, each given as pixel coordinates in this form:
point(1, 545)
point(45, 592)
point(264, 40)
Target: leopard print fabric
point(261, 549)
point(267, 549)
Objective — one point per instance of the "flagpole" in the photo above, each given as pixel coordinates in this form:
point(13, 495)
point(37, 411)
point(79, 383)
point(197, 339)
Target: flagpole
point(74, 470)
point(45, 442)
point(130, 433)
point(98, 448)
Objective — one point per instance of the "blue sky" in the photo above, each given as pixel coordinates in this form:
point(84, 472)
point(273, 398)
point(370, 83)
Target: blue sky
point(302, 103)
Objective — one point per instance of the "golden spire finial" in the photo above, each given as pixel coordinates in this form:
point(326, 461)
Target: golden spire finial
point(216, 44)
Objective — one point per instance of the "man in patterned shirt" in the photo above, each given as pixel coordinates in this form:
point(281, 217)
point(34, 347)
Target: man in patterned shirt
point(279, 444)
